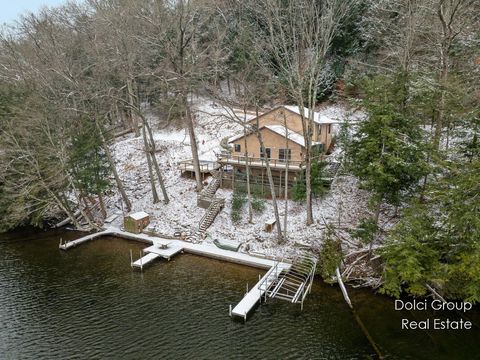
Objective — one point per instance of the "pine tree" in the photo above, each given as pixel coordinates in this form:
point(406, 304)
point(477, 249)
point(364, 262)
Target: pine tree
point(386, 152)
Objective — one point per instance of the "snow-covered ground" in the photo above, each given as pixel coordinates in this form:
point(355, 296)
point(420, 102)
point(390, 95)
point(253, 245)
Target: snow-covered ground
point(344, 202)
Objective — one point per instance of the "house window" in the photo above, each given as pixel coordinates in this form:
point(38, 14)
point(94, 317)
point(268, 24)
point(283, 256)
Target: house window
point(329, 128)
point(284, 154)
point(238, 148)
point(267, 152)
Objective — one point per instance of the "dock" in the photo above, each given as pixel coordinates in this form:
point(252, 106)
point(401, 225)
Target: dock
point(84, 239)
point(145, 260)
point(166, 251)
point(254, 296)
point(282, 280)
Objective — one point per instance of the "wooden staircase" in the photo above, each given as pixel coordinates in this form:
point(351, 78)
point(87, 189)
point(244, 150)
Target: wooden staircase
point(215, 205)
point(211, 189)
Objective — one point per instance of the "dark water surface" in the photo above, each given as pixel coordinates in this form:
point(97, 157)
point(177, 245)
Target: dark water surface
point(87, 303)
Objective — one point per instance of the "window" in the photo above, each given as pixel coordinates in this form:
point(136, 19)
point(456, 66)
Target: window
point(238, 148)
point(267, 151)
point(284, 154)
point(329, 128)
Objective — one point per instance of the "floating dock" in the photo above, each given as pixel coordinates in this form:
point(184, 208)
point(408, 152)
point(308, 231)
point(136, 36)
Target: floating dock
point(166, 251)
point(144, 260)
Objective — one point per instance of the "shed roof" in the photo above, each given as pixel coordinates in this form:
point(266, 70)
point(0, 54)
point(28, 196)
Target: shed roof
point(138, 215)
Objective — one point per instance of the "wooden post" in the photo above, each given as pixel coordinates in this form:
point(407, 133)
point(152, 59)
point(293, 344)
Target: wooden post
point(280, 186)
point(131, 258)
point(230, 310)
point(263, 185)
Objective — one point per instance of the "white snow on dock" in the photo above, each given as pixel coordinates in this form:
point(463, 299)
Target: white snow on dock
point(255, 294)
point(167, 248)
point(167, 253)
point(145, 260)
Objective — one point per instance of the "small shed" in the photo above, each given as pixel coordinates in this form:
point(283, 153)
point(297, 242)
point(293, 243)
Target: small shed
point(136, 222)
point(269, 225)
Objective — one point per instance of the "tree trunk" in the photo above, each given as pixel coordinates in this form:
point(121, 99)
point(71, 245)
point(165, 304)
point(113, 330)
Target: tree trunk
point(272, 187)
point(131, 101)
point(247, 169)
point(65, 207)
point(149, 164)
point(375, 219)
point(155, 163)
point(308, 187)
point(287, 161)
point(445, 45)
point(102, 204)
point(193, 144)
point(119, 183)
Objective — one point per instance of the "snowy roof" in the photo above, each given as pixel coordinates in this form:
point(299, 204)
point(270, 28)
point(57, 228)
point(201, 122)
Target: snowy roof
point(236, 137)
point(317, 117)
point(282, 130)
point(138, 215)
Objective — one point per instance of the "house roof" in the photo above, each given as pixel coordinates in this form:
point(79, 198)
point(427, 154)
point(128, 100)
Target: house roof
point(291, 135)
point(138, 215)
point(280, 130)
point(317, 117)
point(239, 136)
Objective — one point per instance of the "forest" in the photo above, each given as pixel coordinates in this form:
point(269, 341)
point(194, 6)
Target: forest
point(74, 78)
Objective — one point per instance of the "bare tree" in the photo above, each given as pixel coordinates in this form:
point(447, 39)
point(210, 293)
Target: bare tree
point(299, 38)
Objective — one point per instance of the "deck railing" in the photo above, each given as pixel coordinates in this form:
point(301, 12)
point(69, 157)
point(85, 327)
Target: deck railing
point(258, 161)
point(205, 166)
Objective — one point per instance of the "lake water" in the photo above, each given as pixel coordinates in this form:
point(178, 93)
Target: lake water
point(87, 303)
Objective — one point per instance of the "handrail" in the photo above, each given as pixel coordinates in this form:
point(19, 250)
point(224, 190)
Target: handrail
point(252, 160)
point(267, 275)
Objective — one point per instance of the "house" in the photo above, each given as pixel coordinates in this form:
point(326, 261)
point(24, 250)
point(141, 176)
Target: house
point(281, 131)
point(276, 126)
point(136, 222)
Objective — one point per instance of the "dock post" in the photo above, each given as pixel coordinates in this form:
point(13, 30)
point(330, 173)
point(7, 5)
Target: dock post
point(131, 258)
point(141, 261)
point(247, 290)
point(230, 310)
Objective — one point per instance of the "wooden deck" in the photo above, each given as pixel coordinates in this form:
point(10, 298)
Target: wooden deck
point(205, 166)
